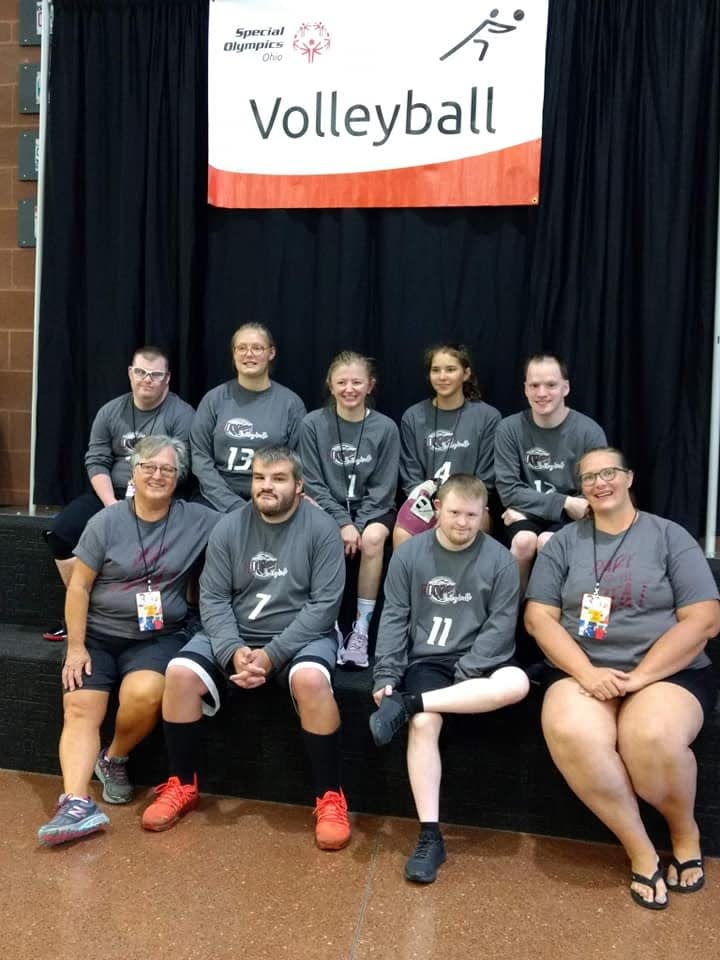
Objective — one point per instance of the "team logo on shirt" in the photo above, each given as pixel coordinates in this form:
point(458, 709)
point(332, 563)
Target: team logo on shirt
point(444, 590)
point(265, 567)
point(240, 429)
point(128, 440)
point(345, 455)
point(539, 459)
point(441, 440)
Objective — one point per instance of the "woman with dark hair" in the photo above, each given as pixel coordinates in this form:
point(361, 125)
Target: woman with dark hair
point(350, 456)
point(452, 432)
point(236, 418)
point(622, 604)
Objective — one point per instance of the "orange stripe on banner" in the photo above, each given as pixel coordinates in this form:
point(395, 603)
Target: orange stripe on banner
point(509, 176)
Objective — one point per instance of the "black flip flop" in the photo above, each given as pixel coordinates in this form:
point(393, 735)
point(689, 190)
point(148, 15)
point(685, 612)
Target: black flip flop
point(648, 882)
point(680, 868)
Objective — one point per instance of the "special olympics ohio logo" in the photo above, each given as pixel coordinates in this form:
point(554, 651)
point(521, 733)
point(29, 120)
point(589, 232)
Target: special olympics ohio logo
point(311, 40)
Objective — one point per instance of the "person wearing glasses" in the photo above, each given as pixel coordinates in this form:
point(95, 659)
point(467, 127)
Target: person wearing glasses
point(240, 416)
point(622, 603)
point(149, 408)
point(125, 610)
point(536, 452)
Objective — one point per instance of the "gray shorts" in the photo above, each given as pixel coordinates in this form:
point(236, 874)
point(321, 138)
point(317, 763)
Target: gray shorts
point(197, 656)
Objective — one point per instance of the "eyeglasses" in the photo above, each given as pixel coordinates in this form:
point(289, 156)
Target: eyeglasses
point(157, 376)
point(607, 474)
point(256, 349)
point(150, 469)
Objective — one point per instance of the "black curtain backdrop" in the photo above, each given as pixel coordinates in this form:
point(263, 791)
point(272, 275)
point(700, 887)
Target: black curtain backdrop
point(614, 269)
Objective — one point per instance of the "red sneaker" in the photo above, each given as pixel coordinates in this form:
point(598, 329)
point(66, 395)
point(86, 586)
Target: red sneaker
point(332, 827)
point(173, 801)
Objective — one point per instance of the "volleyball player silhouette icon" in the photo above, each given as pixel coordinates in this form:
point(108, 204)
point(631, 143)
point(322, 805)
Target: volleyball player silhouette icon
point(488, 26)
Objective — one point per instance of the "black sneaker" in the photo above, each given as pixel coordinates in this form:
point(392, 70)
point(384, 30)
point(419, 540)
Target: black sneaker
point(429, 854)
point(389, 717)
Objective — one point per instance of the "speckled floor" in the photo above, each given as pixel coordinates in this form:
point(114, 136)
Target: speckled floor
point(242, 879)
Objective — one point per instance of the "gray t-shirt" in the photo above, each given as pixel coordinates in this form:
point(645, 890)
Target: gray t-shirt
point(355, 468)
point(442, 602)
point(231, 423)
point(658, 569)
point(437, 443)
point(535, 466)
point(110, 545)
point(277, 585)
point(119, 424)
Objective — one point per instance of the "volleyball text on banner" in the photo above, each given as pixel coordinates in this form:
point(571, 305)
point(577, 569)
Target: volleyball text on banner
point(370, 103)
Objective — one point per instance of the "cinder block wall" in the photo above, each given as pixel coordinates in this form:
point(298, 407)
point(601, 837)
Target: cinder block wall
point(17, 271)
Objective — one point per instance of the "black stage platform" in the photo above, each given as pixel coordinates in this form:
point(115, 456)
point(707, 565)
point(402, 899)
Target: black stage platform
point(497, 771)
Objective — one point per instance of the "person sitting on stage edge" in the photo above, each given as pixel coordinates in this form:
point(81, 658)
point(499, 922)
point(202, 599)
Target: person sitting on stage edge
point(622, 604)
point(125, 611)
point(536, 452)
point(446, 639)
point(269, 595)
point(149, 408)
point(350, 456)
point(240, 416)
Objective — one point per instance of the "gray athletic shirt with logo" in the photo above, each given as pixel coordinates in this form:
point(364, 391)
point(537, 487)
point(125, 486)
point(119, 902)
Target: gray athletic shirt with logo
point(442, 602)
point(431, 438)
point(329, 470)
point(112, 435)
point(110, 546)
point(658, 569)
point(276, 585)
point(535, 466)
point(231, 423)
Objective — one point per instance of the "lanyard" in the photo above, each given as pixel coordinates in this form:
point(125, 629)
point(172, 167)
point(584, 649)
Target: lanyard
point(148, 572)
point(450, 441)
point(348, 476)
point(599, 576)
point(149, 423)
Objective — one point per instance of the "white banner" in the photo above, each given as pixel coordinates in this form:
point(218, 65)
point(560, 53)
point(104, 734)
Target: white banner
point(374, 103)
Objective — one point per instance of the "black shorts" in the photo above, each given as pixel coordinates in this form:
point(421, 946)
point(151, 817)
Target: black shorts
point(534, 525)
point(67, 528)
point(434, 673)
point(386, 519)
point(700, 683)
point(114, 657)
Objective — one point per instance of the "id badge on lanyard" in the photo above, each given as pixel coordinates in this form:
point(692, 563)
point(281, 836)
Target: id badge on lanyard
point(594, 616)
point(149, 610)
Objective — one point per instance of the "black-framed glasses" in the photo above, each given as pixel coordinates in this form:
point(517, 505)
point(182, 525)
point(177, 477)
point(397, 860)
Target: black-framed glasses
point(607, 474)
point(148, 469)
point(157, 376)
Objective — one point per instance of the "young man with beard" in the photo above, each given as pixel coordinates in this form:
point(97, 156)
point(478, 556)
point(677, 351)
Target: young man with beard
point(446, 638)
point(269, 597)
